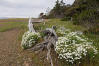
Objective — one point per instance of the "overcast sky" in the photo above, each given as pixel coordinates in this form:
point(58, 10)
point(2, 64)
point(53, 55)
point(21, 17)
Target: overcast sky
point(26, 8)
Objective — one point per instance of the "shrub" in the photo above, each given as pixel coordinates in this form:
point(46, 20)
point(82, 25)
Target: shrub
point(66, 19)
point(74, 46)
point(29, 39)
point(62, 31)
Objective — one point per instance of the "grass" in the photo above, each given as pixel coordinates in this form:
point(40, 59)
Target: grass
point(5, 26)
point(14, 23)
point(58, 23)
point(21, 24)
point(14, 20)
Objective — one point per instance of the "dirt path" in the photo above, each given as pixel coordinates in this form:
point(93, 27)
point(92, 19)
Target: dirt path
point(11, 53)
point(10, 50)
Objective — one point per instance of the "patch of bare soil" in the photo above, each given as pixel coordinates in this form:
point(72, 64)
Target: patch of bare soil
point(11, 53)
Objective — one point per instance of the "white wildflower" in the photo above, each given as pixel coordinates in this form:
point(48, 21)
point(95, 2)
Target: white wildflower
point(29, 39)
point(73, 46)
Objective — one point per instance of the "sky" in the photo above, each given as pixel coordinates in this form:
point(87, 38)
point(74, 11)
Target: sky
point(26, 8)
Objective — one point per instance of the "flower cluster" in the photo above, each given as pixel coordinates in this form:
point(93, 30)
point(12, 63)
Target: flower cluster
point(29, 39)
point(74, 46)
point(62, 31)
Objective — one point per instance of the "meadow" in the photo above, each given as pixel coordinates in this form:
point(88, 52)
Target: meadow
point(21, 26)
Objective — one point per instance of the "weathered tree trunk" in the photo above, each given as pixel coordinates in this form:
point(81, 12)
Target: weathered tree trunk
point(49, 41)
point(30, 25)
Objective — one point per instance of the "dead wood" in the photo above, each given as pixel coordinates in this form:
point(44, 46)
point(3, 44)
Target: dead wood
point(49, 42)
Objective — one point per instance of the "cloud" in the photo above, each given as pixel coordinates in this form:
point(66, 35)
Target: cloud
point(25, 8)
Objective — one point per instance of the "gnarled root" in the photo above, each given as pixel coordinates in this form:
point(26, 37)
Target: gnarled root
point(50, 40)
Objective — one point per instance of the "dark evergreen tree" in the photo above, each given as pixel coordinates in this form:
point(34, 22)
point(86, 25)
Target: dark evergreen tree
point(58, 10)
point(62, 3)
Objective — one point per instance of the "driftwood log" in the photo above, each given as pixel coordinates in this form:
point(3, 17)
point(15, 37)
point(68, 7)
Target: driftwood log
point(30, 25)
point(49, 42)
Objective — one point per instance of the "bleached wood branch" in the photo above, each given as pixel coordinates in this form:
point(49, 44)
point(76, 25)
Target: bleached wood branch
point(30, 25)
point(49, 41)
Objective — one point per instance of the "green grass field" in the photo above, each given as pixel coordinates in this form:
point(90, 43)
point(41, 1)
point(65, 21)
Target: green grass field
point(21, 24)
point(8, 24)
point(58, 23)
